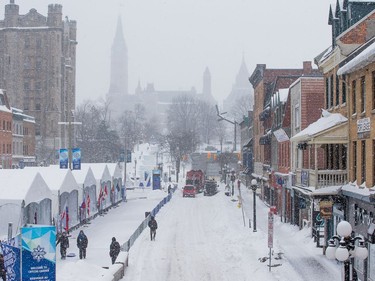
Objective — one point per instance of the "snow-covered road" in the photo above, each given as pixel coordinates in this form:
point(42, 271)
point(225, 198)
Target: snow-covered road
point(204, 238)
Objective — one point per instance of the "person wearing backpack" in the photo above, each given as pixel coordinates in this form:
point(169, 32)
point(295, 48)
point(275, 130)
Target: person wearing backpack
point(82, 243)
point(114, 250)
point(153, 225)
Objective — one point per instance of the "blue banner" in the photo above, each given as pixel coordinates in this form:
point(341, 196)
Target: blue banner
point(64, 158)
point(76, 159)
point(38, 253)
point(12, 261)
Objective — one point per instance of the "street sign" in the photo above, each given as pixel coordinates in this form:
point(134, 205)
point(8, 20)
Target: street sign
point(270, 229)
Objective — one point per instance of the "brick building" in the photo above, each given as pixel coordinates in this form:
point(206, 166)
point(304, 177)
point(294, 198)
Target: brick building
point(266, 82)
point(37, 69)
point(5, 132)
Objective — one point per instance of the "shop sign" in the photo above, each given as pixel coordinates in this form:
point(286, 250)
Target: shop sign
point(326, 209)
point(363, 128)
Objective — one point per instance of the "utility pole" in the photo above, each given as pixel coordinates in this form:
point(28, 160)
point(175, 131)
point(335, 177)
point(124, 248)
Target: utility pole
point(234, 122)
point(70, 123)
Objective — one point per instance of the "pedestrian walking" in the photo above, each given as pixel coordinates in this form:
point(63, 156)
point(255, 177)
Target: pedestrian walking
point(82, 243)
point(63, 240)
point(114, 250)
point(3, 272)
point(153, 225)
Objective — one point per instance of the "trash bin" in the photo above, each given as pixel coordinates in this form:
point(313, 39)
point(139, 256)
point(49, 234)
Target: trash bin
point(147, 214)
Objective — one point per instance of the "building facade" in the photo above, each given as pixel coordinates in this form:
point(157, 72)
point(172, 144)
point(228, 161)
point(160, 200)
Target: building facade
point(5, 132)
point(38, 55)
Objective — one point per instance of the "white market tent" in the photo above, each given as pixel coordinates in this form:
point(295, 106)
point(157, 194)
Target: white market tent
point(25, 198)
point(117, 173)
point(65, 190)
point(103, 181)
point(87, 193)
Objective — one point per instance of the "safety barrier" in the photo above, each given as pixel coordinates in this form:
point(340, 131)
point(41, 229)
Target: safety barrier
point(128, 244)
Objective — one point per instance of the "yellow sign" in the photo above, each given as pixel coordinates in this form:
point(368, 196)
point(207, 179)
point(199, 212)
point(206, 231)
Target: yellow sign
point(325, 209)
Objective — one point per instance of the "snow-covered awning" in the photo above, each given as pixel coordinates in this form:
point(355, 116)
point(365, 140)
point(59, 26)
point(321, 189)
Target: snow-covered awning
point(361, 193)
point(363, 59)
point(326, 191)
point(327, 129)
point(248, 142)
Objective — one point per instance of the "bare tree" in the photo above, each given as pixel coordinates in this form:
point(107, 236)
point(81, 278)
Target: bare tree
point(241, 107)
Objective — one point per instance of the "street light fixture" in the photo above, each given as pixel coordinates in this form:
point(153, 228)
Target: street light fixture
point(254, 186)
point(346, 249)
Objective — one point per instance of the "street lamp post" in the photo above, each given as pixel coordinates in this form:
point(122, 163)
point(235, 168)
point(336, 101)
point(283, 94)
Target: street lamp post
point(346, 250)
point(254, 186)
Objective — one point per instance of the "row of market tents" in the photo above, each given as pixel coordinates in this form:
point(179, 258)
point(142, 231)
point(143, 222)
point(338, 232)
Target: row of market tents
point(60, 197)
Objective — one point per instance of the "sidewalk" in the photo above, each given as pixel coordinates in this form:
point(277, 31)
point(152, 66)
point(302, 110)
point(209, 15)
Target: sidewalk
point(296, 245)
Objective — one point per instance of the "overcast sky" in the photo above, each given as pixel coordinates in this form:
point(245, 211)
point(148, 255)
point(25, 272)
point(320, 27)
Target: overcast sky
point(170, 42)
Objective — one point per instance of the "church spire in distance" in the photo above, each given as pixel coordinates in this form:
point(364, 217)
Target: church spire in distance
point(119, 65)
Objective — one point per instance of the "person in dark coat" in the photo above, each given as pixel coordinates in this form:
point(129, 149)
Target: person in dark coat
point(63, 240)
point(82, 243)
point(169, 189)
point(3, 272)
point(153, 225)
point(114, 250)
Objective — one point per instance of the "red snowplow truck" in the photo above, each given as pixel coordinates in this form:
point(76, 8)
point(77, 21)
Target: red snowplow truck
point(196, 178)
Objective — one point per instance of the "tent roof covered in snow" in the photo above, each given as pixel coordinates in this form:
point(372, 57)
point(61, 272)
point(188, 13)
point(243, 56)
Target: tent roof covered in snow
point(21, 184)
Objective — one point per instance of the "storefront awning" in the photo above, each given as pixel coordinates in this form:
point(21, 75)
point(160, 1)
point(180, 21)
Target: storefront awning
point(304, 190)
point(330, 128)
point(326, 191)
point(248, 143)
point(364, 194)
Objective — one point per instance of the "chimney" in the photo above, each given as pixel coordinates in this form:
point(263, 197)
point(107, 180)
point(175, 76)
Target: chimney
point(307, 68)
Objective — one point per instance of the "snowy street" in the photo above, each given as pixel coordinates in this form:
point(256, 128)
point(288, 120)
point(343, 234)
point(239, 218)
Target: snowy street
point(204, 238)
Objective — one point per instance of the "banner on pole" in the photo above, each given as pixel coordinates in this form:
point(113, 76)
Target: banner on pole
point(64, 158)
point(38, 253)
point(270, 229)
point(76, 158)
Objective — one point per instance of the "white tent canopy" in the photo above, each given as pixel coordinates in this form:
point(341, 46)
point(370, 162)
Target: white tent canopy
point(23, 195)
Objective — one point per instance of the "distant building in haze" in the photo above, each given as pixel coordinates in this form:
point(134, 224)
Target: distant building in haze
point(118, 88)
point(37, 69)
point(240, 88)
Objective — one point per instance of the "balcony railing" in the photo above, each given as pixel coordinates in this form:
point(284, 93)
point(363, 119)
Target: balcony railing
point(323, 178)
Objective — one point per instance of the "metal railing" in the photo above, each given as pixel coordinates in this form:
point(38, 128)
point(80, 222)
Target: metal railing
point(128, 244)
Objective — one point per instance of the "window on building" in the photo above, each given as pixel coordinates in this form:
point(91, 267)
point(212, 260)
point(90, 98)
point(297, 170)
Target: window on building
point(38, 64)
point(327, 92)
point(296, 117)
point(344, 89)
point(26, 86)
point(331, 91)
point(363, 94)
point(38, 43)
point(27, 42)
point(363, 162)
point(337, 90)
point(4, 128)
point(354, 161)
point(354, 97)
point(37, 106)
